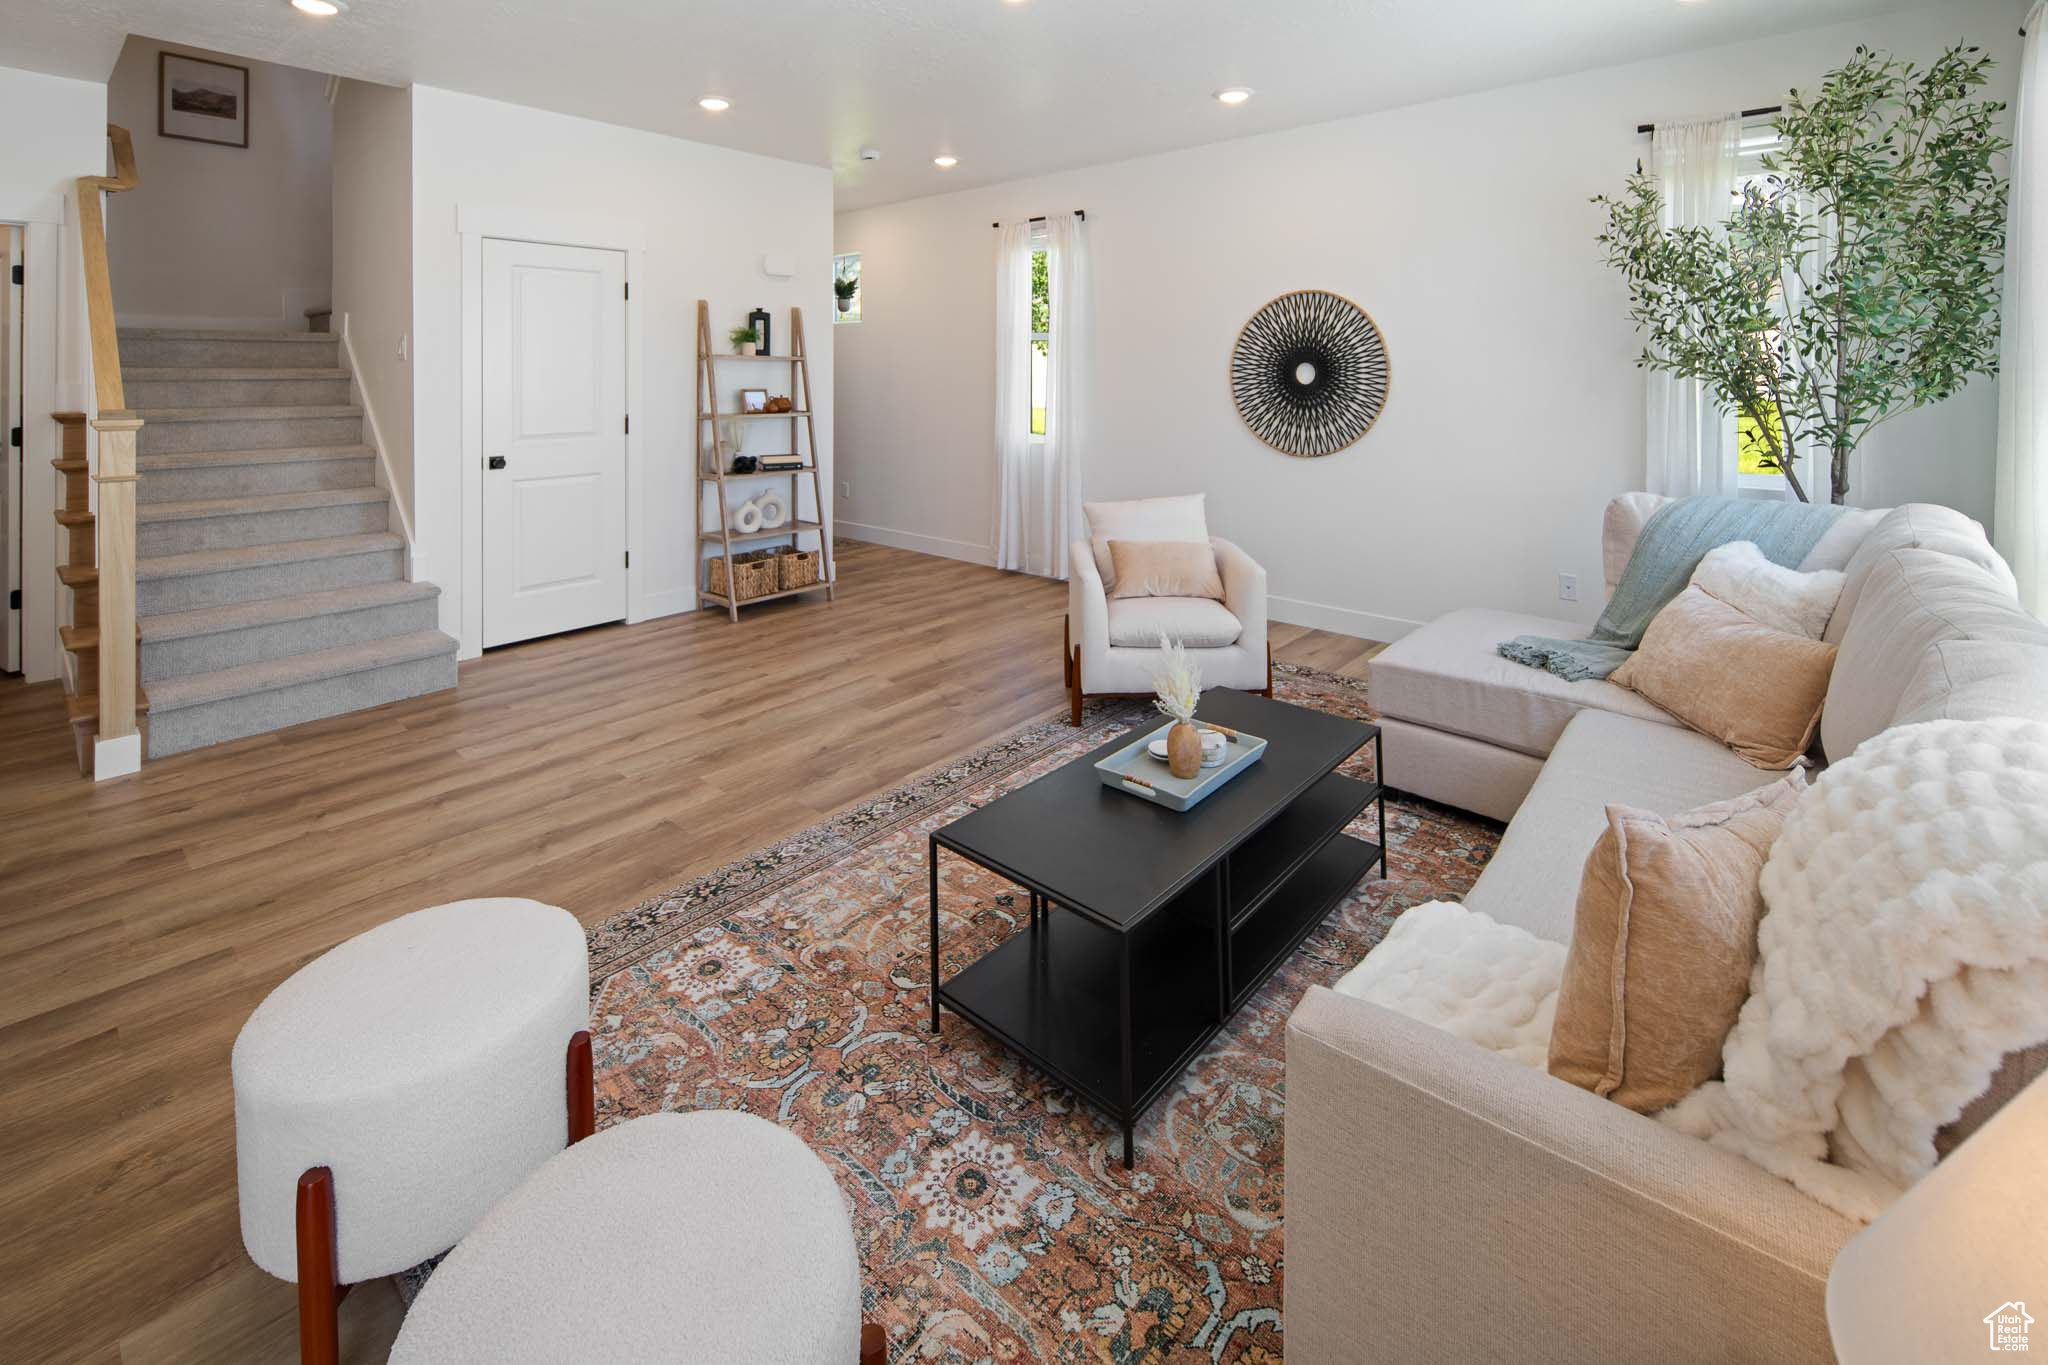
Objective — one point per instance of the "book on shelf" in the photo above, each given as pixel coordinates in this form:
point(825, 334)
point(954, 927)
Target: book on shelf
point(781, 462)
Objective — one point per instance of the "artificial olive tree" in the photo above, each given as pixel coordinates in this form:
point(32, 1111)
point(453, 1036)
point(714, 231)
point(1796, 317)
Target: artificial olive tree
point(1855, 279)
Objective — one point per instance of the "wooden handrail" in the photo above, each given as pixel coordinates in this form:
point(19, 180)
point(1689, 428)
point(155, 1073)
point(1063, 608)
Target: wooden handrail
point(115, 468)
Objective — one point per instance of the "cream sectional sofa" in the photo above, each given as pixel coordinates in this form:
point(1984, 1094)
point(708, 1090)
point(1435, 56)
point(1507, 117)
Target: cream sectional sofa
point(1444, 1203)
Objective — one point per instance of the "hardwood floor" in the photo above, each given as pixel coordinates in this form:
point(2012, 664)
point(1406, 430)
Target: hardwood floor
point(141, 920)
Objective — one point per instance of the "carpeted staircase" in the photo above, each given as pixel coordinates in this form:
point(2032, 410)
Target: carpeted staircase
point(269, 589)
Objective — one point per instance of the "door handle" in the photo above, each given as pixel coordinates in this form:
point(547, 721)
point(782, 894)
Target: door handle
point(497, 462)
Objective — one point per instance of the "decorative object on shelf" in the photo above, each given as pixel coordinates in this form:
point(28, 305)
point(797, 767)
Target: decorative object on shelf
point(844, 287)
point(774, 509)
point(753, 400)
point(744, 464)
point(1309, 373)
point(1178, 683)
point(758, 320)
point(753, 575)
point(796, 569)
point(745, 340)
point(779, 403)
point(746, 518)
point(202, 101)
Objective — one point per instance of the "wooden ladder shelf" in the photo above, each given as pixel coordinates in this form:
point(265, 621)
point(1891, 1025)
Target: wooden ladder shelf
point(714, 472)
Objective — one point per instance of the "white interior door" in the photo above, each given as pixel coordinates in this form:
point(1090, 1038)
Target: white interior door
point(554, 438)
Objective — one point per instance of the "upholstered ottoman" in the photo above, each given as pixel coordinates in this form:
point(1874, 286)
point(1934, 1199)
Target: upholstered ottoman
point(712, 1236)
point(391, 1091)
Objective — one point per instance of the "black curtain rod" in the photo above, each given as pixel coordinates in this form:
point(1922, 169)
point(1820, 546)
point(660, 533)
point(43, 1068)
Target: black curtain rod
point(1642, 128)
point(1082, 214)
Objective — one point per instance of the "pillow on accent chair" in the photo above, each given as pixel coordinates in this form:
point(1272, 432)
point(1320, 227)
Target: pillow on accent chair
point(1757, 690)
point(1165, 568)
point(1182, 518)
point(1739, 574)
point(1661, 951)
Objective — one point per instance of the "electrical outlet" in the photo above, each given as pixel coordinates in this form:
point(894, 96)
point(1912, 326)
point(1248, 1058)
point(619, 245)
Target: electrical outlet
point(846, 488)
point(1567, 587)
point(404, 345)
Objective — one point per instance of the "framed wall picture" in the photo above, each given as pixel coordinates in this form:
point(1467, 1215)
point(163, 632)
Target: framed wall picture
point(202, 101)
point(753, 400)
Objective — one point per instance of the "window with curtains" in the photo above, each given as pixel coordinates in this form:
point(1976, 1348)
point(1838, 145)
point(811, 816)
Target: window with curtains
point(1752, 474)
point(1041, 330)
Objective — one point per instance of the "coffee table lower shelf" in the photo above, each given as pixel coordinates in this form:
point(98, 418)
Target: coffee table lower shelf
point(1057, 992)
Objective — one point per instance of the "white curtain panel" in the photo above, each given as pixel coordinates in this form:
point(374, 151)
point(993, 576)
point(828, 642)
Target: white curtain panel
point(1066, 392)
point(1690, 444)
point(2020, 519)
point(1015, 457)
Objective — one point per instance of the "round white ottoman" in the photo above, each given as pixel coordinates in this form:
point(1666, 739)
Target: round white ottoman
point(424, 1064)
point(712, 1236)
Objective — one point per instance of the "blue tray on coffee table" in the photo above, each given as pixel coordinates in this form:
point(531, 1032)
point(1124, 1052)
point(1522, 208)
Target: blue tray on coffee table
point(1133, 769)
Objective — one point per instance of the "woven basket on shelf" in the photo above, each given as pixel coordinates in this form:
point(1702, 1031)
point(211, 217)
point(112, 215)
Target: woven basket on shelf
point(753, 571)
point(797, 568)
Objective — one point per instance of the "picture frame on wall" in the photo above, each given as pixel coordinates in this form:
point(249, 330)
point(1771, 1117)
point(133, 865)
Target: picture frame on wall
point(200, 100)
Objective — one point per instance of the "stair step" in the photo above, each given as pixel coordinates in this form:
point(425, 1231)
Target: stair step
point(152, 374)
point(71, 466)
point(148, 348)
point(212, 578)
point(208, 708)
point(202, 474)
point(78, 576)
point(78, 639)
point(212, 638)
point(204, 386)
point(65, 518)
point(175, 430)
point(273, 412)
point(169, 528)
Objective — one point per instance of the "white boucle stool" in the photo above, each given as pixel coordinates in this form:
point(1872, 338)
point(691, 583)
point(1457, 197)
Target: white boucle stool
point(712, 1236)
point(392, 1090)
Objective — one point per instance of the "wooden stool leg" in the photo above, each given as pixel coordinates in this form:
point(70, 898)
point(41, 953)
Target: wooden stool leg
point(1074, 690)
point(1066, 651)
point(874, 1345)
point(319, 1287)
point(582, 1089)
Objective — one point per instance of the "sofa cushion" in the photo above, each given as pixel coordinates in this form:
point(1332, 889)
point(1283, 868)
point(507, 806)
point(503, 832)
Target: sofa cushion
point(1197, 622)
point(1977, 680)
point(1177, 518)
point(1908, 601)
point(1449, 675)
point(1915, 525)
point(1165, 568)
point(1755, 689)
point(1626, 516)
point(1602, 759)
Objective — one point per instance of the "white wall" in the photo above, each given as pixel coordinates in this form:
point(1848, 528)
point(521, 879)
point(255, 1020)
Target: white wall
point(67, 120)
point(373, 260)
point(1463, 227)
point(223, 236)
point(705, 217)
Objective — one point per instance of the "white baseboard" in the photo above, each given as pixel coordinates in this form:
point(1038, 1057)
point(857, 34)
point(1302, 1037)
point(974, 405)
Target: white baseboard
point(668, 602)
point(910, 540)
point(116, 757)
point(1362, 625)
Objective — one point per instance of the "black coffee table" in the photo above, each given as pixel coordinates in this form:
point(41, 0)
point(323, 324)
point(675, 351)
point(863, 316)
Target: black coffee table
point(1172, 920)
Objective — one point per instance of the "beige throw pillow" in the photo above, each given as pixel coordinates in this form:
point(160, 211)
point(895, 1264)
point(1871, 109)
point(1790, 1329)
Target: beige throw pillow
point(1165, 568)
point(1757, 690)
point(1663, 945)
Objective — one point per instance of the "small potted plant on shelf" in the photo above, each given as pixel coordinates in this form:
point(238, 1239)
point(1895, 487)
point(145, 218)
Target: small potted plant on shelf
point(845, 286)
point(744, 340)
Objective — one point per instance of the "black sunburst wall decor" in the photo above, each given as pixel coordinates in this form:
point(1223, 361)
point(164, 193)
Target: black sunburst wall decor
point(1309, 373)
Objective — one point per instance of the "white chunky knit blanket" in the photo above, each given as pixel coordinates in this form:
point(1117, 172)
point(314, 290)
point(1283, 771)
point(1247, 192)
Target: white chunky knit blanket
point(1904, 953)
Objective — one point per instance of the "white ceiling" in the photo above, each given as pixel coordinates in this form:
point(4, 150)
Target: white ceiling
point(1011, 89)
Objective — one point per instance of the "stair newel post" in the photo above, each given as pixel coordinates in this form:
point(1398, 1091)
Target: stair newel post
point(118, 749)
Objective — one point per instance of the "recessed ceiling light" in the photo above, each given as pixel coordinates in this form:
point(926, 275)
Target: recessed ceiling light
point(1236, 94)
point(945, 163)
point(324, 9)
point(717, 104)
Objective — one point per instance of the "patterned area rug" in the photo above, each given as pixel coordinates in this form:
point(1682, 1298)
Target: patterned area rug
point(994, 1217)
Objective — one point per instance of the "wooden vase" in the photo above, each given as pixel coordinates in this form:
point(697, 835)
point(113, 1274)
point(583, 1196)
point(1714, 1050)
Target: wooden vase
point(1184, 749)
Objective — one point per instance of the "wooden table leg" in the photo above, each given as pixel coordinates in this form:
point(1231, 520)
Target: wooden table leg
point(319, 1287)
point(582, 1089)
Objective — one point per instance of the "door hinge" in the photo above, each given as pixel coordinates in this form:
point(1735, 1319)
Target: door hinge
point(629, 289)
point(629, 559)
point(14, 437)
point(629, 424)
point(14, 599)
point(17, 274)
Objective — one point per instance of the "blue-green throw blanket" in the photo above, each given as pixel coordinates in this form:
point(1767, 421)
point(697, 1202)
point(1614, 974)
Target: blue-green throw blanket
point(1677, 537)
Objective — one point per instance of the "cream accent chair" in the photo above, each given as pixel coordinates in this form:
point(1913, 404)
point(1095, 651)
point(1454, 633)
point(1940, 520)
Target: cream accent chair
point(1118, 645)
